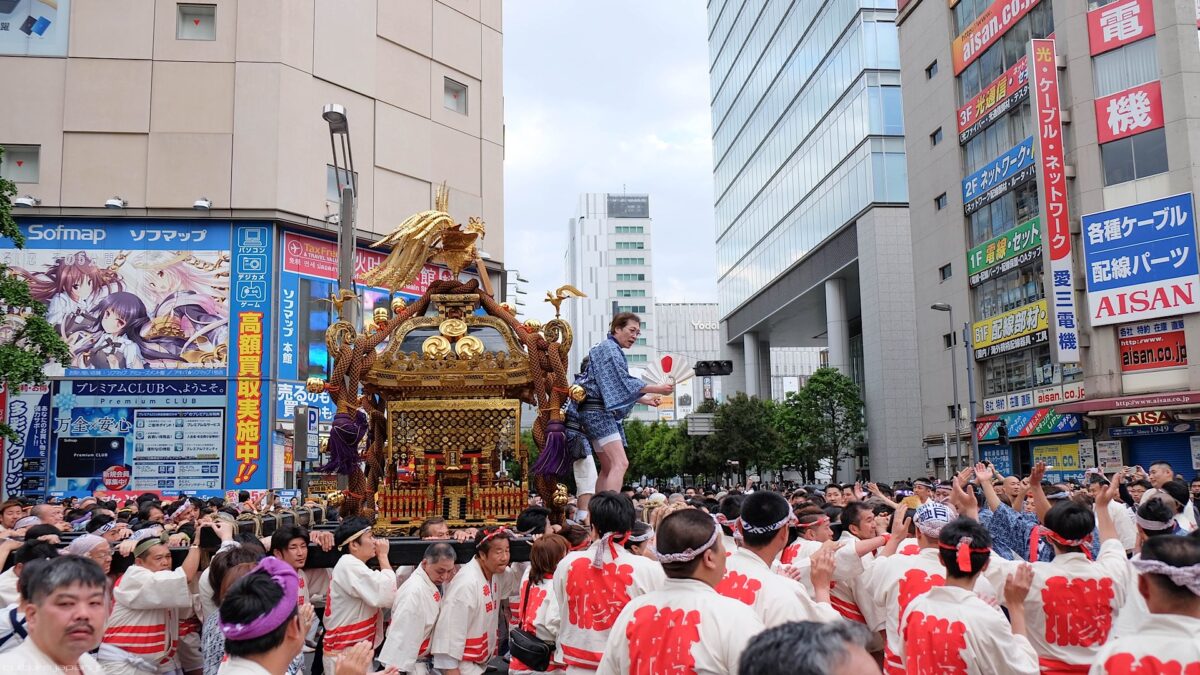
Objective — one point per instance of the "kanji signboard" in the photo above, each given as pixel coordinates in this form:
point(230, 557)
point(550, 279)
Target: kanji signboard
point(1014, 248)
point(994, 100)
point(1141, 262)
point(1016, 329)
point(1000, 175)
point(1052, 191)
point(1153, 345)
point(1129, 112)
point(1037, 422)
point(1119, 23)
point(985, 30)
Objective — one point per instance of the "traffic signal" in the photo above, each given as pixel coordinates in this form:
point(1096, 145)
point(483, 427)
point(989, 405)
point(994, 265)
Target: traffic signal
point(1002, 433)
point(710, 368)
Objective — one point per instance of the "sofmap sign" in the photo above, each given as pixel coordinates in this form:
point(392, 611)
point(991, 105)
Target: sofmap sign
point(996, 99)
point(989, 27)
point(1141, 261)
point(1016, 329)
point(1000, 175)
point(1118, 24)
point(1014, 248)
point(1129, 112)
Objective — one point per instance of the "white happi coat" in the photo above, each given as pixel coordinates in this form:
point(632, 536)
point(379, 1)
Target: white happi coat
point(895, 581)
point(27, 659)
point(540, 600)
point(414, 614)
point(589, 600)
point(949, 629)
point(8, 587)
point(849, 594)
point(1072, 604)
point(469, 620)
point(144, 624)
point(775, 599)
point(357, 598)
point(237, 665)
point(846, 564)
point(1165, 643)
point(686, 627)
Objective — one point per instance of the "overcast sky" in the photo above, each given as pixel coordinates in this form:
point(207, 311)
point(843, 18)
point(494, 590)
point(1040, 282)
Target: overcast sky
point(600, 97)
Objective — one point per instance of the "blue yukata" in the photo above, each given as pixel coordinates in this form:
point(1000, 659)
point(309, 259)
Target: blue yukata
point(611, 394)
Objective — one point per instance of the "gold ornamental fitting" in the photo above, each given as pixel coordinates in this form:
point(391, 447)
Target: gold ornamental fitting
point(381, 315)
point(314, 385)
point(398, 305)
point(453, 328)
point(533, 325)
point(577, 393)
point(469, 347)
point(508, 308)
point(560, 496)
point(436, 347)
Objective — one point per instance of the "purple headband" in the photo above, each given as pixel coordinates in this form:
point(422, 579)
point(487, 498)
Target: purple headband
point(282, 574)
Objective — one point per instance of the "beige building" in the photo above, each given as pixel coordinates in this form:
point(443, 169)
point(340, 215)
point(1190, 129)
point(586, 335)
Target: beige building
point(161, 103)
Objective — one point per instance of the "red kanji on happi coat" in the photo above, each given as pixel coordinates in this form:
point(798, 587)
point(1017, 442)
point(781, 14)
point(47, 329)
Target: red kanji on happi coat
point(660, 641)
point(1078, 612)
point(739, 587)
point(595, 596)
point(933, 645)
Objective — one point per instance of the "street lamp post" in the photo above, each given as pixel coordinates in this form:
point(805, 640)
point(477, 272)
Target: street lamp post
point(969, 349)
point(944, 307)
point(339, 133)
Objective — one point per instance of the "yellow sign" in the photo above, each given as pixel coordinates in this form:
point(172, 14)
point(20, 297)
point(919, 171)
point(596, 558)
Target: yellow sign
point(666, 409)
point(1015, 329)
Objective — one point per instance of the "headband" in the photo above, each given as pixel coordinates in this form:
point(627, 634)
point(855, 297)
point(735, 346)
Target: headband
point(789, 519)
point(925, 483)
point(145, 545)
point(821, 520)
point(148, 532)
point(1058, 495)
point(105, 527)
point(1085, 543)
point(354, 536)
point(187, 506)
point(487, 537)
point(932, 516)
point(1154, 525)
point(84, 544)
point(641, 538)
point(285, 577)
point(1188, 577)
point(27, 521)
point(690, 554)
point(963, 552)
point(612, 539)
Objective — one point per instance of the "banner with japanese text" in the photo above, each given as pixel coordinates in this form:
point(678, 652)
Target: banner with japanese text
point(999, 176)
point(1141, 262)
point(248, 463)
point(1129, 112)
point(1015, 329)
point(1052, 192)
point(1154, 345)
point(1008, 251)
point(991, 25)
point(1036, 422)
point(1118, 24)
point(994, 100)
point(27, 412)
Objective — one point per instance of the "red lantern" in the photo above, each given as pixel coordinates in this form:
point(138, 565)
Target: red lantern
point(667, 362)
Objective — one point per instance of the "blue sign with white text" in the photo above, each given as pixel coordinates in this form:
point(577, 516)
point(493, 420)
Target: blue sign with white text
point(999, 176)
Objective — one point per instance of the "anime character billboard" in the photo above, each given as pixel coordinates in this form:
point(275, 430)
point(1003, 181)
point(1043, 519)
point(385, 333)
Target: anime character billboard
point(144, 298)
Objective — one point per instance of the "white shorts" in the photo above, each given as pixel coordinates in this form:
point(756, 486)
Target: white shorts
point(601, 442)
point(585, 476)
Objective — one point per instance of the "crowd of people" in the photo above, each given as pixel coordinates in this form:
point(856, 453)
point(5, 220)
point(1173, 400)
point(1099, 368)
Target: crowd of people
point(980, 574)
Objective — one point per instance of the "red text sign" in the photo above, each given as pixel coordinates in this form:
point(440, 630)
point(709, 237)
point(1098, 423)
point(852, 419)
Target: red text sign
point(996, 99)
point(984, 31)
point(1151, 352)
point(318, 257)
point(1119, 23)
point(1129, 112)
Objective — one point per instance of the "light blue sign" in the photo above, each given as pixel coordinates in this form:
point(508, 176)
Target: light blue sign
point(999, 176)
point(1139, 244)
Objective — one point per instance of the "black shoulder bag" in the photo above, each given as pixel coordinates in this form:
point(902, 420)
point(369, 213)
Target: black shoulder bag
point(527, 647)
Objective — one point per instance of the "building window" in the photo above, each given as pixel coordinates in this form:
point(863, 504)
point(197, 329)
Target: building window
point(936, 136)
point(641, 408)
point(931, 70)
point(631, 261)
point(1125, 67)
point(948, 340)
point(1134, 157)
point(630, 245)
point(1013, 289)
point(637, 358)
point(455, 96)
point(196, 22)
point(636, 309)
point(630, 229)
point(940, 201)
point(631, 277)
point(640, 341)
point(945, 271)
point(950, 412)
point(631, 293)
point(20, 163)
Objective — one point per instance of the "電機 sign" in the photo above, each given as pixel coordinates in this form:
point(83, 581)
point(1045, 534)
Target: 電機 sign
point(1118, 24)
point(1129, 112)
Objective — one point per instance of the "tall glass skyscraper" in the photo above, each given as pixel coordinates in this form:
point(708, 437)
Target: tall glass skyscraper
point(810, 189)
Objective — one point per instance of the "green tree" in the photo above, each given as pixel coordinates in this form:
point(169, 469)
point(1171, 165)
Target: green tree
point(797, 450)
point(828, 417)
point(27, 341)
point(745, 433)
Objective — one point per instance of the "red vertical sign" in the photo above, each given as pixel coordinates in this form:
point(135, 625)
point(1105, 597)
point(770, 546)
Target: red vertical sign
point(1119, 23)
point(1129, 112)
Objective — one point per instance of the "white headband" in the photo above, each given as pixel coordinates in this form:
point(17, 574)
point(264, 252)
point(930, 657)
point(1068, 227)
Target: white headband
point(1188, 577)
point(691, 553)
point(763, 529)
point(1154, 525)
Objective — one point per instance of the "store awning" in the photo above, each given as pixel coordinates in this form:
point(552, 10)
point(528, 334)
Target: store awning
point(1127, 404)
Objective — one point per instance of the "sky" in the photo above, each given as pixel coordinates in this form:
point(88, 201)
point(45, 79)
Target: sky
point(605, 96)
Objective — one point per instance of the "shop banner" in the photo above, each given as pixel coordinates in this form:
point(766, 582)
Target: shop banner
point(250, 402)
point(1000, 175)
point(1000, 456)
point(1018, 246)
point(995, 100)
point(1034, 398)
point(1052, 192)
point(1015, 329)
point(1129, 112)
point(1141, 261)
point(27, 412)
point(1062, 461)
point(985, 30)
point(1152, 346)
point(147, 298)
point(1037, 422)
point(291, 394)
point(1119, 23)
point(138, 434)
point(1110, 455)
point(34, 27)
point(1153, 430)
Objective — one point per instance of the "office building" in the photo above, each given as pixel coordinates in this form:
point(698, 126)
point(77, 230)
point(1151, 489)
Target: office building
point(813, 246)
point(688, 332)
point(1051, 184)
point(166, 151)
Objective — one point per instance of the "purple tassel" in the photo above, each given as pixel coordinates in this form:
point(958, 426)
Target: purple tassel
point(344, 437)
point(553, 460)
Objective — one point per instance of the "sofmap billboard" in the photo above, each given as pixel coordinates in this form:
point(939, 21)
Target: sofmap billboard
point(1141, 262)
point(248, 458)
point(34, 27)
point(999, 176)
